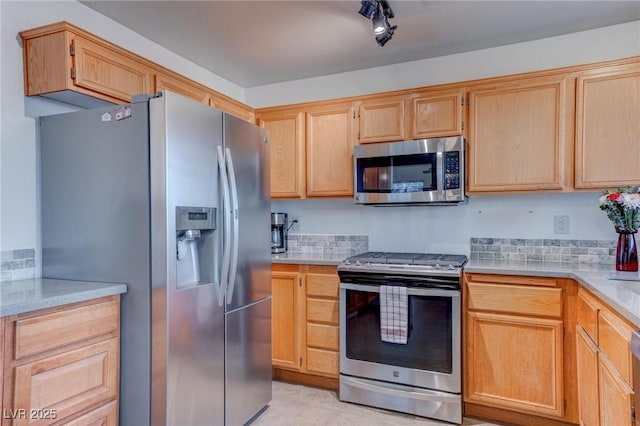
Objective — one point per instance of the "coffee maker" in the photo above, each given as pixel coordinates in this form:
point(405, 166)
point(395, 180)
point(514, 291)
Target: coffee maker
point(279, 228)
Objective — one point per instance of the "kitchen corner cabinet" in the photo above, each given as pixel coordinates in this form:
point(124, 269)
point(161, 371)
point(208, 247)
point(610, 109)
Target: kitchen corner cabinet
point(516, 355)
point(521, 135)
point(607, 127)
point(305, 324)
point(287, 141)
point(64, 62)
point(61, 365)
point(603, 364)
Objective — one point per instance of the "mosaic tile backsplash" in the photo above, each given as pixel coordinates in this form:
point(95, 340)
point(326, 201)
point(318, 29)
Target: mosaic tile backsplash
point(347, 245)
point(17, 264)
point(544, 250)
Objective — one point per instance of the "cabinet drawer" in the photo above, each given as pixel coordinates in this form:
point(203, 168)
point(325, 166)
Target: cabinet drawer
point(45, 332)
point(323, 336)
point(323, 362)
point(105, 415)
point(69, 382)
point(526, 300)
point(588, 314)
point(614, 336)
point(323, 285)
point(321, 310)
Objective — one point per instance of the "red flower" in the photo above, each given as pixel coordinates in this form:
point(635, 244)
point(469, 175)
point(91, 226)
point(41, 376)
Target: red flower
point(614, 196)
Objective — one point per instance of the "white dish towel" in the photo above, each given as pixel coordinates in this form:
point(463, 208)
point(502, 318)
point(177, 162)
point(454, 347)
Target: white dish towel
point(393, 314)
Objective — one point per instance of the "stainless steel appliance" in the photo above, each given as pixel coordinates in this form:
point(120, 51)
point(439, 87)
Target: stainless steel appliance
point(170, 197)
point(423, 375)
point(427, 171)
point(279, 229)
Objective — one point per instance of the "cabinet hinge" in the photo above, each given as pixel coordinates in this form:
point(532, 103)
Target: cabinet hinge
point(633, 415)
point(564, 401)
point(462, 101)
point(300, 281)
point(300, 361)
point(462, 127)
point(354, 114)
point(73, 73)
point(72, 49)
point(358, 113)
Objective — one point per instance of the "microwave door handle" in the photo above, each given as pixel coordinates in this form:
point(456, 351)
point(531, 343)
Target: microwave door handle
point(440, 173)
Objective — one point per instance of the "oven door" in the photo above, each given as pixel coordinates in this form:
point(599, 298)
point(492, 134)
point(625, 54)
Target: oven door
point(431, 357)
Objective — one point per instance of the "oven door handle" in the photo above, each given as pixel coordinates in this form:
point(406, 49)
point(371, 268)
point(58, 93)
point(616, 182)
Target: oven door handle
point(411, 291)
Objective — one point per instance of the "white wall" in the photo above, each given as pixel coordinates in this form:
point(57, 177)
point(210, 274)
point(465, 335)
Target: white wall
point(617, 41)
point(19, 222)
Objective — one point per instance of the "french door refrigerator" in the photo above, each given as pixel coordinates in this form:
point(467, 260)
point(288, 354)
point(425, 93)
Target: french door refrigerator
point(170, 197)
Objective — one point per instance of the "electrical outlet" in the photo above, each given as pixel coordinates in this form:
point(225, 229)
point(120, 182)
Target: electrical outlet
point(561, 224)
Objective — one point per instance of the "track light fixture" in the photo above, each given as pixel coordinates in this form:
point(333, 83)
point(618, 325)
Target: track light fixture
point(379, 12)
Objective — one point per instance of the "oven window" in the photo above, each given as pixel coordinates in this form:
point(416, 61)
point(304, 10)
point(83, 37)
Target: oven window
point(401, 173)
point(429, 345)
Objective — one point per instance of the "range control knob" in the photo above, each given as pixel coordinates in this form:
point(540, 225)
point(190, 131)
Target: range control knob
point(358, 263)
point(368, 265)
point(437, 266)
point(451, 267)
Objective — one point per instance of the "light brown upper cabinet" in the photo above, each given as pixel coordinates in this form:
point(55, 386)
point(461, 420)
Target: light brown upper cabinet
point(436, 114)
point(608, 127)
point(181, 87)
point(58, 60)
point(287, 140)
point(381, 120)
point(64, 62)
point(521, 134)
point(330, 141)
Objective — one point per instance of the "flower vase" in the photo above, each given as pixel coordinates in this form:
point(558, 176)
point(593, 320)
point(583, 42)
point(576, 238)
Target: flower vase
point(626, 252)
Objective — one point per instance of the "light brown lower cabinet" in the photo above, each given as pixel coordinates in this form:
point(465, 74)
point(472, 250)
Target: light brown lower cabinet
point(305, 331)
point(61, 365)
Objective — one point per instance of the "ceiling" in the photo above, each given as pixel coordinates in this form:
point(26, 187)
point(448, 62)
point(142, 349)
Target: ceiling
point(252, 43)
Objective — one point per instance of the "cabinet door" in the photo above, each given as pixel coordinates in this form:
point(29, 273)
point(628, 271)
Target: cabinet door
point(286, 137)
point(330, 140)
point(587, 371)
point(607, 128)
point(615, 396)
point(68, 382)
point(515, 362)
point(520, 135)
point(381, 120)
point(286, 317)
point(436, 114)
point(166, 82)
point(101, 69)
point(106, 415)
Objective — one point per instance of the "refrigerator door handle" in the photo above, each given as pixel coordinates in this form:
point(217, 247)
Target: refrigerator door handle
point(226, 219)
point(236, 222)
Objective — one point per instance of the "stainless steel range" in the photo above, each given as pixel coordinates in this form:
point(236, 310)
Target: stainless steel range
point(400, 332)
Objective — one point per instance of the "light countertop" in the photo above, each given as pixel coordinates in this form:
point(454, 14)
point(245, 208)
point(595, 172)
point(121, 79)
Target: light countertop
point(301, 258)
point(621, 295)
point(21, 296)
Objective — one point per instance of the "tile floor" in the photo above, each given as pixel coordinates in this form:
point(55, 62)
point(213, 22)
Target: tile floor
point(296, 405)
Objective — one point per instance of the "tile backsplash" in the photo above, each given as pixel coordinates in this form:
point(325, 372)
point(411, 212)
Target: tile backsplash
point(544, 250)
point(347, 245)
point(17, 264)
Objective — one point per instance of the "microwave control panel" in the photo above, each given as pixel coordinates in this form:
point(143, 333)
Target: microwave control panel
point(452, 170)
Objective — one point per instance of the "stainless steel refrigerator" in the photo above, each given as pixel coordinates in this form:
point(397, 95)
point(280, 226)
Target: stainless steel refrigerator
point(170, 197)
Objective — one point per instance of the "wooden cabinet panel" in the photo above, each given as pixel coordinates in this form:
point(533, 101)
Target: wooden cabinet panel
point(329, 150)
point(587, 372)
point(381, 120)
point(588, 314)
point(101, 69)
point(323, 336)
point(68, 382)
point(615, 397)
point(287, 140)
point(607, 127)
point(613, 338)
point(325, 311)
point(323, 362)
point(47, 64)
point(520, 135)
point(181, 87)
point(46, 332)
point(232, 107)
point(436, 114)
point(323, 285)
point(286, 318)
point(106, 415)
point(499, 346)
point(515, 299)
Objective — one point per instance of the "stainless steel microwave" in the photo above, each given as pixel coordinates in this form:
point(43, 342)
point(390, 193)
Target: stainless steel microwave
point(427, 171)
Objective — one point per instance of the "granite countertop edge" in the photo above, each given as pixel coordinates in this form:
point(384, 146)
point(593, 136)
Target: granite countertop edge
point(308, 258)
point(622, 296)
point(17, 297)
